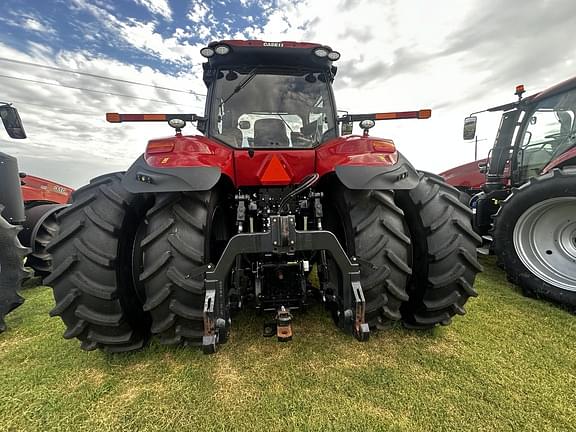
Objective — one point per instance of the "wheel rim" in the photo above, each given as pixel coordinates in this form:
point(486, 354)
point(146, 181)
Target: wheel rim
point(545, 241)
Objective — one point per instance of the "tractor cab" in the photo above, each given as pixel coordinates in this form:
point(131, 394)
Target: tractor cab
point(534, 134)
point(269, 94)
point(547, 131)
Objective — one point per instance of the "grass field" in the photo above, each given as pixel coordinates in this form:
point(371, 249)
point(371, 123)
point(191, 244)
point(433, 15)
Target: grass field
point(509, 364)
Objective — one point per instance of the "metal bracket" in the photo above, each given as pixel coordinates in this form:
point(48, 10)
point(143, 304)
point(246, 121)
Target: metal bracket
point(210, 338)
point(361, 328)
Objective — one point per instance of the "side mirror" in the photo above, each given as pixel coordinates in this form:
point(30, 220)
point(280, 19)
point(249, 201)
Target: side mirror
point(244, 124)
point(12, 122)
point(469, 128)
point(346, 128)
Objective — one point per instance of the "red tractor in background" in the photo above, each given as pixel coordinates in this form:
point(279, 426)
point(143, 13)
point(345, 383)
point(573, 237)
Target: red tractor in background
point(526, 202)
point(27, 207)
point(202, 226)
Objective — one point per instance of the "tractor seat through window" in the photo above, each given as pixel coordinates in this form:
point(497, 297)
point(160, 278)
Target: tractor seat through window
point(270, 133)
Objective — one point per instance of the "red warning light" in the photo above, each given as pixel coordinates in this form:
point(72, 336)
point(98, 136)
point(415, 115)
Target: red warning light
point(519, 90)
point(275, 172)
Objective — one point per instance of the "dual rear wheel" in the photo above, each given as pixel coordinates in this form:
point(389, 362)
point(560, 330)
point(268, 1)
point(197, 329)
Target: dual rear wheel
point(128, 266)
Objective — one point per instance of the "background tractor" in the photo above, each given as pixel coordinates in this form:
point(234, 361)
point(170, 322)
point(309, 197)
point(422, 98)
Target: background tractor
point(526, 207)
point(27, 207)
point(202, 226)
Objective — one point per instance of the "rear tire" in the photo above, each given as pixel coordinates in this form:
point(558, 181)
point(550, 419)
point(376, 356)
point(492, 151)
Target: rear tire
point(176, 250)
point(45, 227)
point(371, 227)
point(444, 252)
point(11, 268)
point(535, 236)
point(92, 278)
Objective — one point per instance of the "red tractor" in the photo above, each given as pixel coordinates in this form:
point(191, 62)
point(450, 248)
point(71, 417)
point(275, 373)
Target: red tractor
point(526, 206)
point(27, 207)
point(202, 226)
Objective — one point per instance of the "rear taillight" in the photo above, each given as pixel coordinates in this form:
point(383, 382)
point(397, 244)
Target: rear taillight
point(383, 146)
point(160, 146)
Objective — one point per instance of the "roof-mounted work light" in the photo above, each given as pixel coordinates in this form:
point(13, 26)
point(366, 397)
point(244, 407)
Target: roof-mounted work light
point(222, 49)
point(333, 55)
point(207, 52)
point(326, 52)
point(321, 52)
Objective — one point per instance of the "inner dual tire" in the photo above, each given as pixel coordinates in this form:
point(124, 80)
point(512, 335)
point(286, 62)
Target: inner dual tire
point(184, 233)
point(370, 227)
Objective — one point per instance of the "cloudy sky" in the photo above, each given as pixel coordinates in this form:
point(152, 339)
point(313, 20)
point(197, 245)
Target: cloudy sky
point(452, 56)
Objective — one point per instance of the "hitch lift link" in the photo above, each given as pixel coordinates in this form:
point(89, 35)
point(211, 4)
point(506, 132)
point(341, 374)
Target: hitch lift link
point(282, 238)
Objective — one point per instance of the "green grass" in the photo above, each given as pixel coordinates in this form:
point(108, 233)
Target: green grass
point(509, 364)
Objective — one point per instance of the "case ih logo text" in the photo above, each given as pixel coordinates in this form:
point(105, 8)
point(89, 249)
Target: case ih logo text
point(273, 44)
point(60, 190)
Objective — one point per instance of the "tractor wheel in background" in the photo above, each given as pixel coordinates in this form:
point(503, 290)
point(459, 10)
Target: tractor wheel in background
point(39, 229)
point(92, 257)
point(535, 236)
point(371, 228)
point(444, 259)
point(12, 271)
point(184, 233)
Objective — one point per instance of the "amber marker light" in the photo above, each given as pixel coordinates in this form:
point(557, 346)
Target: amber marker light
point(383, 146)
point(113, 117)
point(425, 114)
point(160, 146)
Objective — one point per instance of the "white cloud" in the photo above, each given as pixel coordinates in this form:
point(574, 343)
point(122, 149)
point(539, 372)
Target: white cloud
point(143, 36)
point(198, 11)
point(34, 24)
point(157, 7)
point(68, 137)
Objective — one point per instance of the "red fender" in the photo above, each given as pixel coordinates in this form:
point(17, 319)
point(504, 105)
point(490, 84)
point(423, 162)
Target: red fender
point(190, 151)
point(466, 176)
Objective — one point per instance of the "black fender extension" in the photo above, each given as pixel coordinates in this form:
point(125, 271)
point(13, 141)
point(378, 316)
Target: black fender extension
point(142, 178)
point(400, 176)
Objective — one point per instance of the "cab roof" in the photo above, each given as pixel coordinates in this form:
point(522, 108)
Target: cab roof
point(537, 97)
point(245, 55)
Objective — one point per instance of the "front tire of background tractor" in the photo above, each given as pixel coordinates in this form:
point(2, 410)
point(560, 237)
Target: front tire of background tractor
point(535, 236)
point(176, 249)
point(92, 277)
point(371, 227)
point(11, 268)
point(444, 252)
